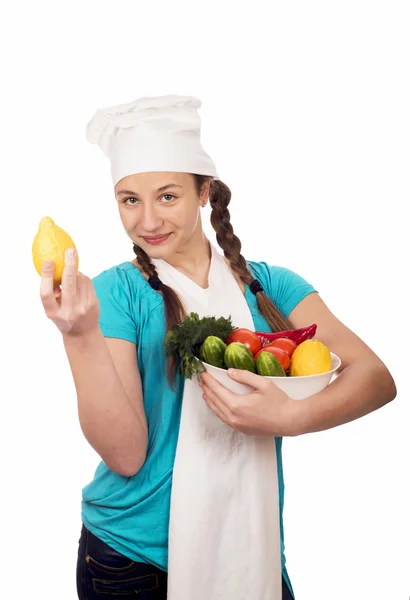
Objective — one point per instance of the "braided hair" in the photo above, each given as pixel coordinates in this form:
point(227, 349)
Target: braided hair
point(220, 197)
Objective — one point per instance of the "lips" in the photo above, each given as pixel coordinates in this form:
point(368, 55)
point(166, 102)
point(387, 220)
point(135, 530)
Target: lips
point(157, 239)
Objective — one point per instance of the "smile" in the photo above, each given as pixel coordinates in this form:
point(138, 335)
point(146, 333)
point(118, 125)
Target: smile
point(157, 239)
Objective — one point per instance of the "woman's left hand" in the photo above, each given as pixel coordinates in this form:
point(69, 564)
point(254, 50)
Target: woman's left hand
point(266, 411)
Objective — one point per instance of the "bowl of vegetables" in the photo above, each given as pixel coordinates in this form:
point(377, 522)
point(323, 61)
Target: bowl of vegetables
point(294, 360)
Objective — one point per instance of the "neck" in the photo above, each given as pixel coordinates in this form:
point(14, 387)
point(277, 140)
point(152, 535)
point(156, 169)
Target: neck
point(194, 257)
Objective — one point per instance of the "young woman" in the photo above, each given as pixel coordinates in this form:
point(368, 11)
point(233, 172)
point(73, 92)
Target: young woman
point(187, 501)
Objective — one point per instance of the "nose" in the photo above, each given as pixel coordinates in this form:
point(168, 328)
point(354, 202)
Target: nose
point(150, 219)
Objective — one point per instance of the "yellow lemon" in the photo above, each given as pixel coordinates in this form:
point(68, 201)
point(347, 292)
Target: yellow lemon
point(50, 243)
point(311, 357)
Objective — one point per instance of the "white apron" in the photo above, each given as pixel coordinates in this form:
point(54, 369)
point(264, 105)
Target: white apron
point(224, 534)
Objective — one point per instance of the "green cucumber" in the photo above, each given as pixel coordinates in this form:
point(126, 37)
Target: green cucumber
point(212, 351)
point(268, 365)
point(237, 356)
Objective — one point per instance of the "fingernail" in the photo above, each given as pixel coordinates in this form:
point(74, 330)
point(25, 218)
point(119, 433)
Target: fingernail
point(232, 372)
point(70, 253)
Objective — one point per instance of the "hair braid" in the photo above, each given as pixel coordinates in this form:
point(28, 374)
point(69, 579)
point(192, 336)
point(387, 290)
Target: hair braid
point(145, 262)
point(219, 198)
point(174, 309)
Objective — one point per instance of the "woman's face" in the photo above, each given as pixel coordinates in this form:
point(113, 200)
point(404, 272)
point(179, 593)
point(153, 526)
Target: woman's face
point(161, 211)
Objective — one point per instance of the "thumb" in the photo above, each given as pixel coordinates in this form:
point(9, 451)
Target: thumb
point(246, 377)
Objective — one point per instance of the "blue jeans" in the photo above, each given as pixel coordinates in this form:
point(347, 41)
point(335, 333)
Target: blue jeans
point(102, 572)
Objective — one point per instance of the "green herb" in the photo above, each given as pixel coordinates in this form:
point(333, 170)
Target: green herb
point(184, 340)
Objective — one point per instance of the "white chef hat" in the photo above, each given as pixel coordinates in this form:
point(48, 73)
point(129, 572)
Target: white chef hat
point(152, 134)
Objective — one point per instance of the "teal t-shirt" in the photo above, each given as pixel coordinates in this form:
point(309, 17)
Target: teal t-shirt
point(131, 514)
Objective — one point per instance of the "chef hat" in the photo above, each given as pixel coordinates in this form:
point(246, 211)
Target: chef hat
point(152, 134)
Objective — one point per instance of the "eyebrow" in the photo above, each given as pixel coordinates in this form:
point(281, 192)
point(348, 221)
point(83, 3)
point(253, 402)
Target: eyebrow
point(161, 189)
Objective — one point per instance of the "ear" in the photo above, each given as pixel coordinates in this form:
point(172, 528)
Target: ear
point(204, 196)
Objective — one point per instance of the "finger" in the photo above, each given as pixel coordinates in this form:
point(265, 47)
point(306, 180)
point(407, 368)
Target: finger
point(87, 297)
point(216, 406)
point(82, 291)
point(258, 382)
point(69, 280)
point(47, 287)
point(227, 397)
point(224, 408)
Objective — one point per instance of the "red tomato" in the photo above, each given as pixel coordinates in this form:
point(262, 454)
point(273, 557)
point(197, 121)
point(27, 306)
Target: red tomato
point(280, 354)
point(289, 346)
point(247, 337)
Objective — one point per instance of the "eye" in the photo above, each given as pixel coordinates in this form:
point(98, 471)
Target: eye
point(131, 201)
point(166, 198)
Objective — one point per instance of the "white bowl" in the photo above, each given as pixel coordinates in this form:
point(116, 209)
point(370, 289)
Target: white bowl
point(297, 388)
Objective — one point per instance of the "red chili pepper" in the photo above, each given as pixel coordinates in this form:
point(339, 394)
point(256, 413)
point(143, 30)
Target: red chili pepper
point(300, 335)
point(297, 335)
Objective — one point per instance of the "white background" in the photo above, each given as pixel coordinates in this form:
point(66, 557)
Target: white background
point(306, 113)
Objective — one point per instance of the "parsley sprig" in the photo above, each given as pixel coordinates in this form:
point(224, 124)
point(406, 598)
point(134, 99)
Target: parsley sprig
point(185, 339)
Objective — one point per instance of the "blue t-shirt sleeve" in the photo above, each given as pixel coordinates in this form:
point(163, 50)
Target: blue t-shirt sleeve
point(113, 293)
point(289, 287)
point(284, 287)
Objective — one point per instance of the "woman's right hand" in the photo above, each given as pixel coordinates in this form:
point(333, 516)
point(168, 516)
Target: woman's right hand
point(74, 306)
